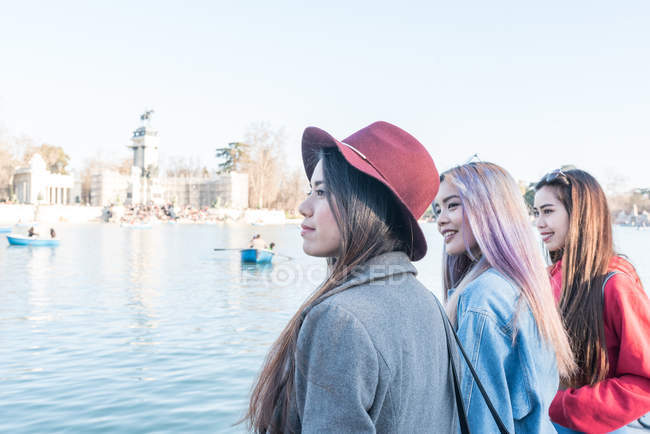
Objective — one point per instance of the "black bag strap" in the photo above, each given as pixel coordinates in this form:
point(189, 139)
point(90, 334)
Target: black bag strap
point(460, 406)
point(462, 415)
point(609, 276)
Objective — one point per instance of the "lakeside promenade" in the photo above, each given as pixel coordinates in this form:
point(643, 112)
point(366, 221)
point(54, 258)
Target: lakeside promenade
point(10, 214)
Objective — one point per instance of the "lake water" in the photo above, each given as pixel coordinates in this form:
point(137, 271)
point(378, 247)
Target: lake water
point(126, 330)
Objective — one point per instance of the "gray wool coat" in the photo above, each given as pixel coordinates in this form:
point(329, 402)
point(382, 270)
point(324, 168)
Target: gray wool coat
point(373, 357)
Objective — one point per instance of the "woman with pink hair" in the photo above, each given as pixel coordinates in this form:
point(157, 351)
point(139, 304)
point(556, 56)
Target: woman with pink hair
point(499, 299)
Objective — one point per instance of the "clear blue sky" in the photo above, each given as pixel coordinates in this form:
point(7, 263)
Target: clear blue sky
point(528, 85)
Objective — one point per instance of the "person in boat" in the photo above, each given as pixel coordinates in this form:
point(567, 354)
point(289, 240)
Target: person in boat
point(52, 233)
point(499, 299)
point(271, 246)
point(366, 352)
point(31, 232)
point(257, 242)
point(603, 304)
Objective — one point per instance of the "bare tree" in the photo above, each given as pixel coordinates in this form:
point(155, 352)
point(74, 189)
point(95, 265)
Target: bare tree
point(21, 144)
point(96, 164)
point(123, 166)
point(179, 166)
point(89, 168)
point(8, 165)
point(263, 166)
point(293, 188)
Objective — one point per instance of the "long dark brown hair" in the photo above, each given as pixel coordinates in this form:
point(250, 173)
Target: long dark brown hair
point(371, 223)
point(585, 257)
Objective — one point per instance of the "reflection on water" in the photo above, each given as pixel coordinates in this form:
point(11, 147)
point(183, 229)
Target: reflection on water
point(152, 330)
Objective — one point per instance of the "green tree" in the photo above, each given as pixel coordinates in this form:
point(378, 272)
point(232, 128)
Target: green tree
point(234, 157)
point(529, 196)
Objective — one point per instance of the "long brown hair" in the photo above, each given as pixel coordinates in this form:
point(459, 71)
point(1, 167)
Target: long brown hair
point(370, 223)
point(587, 252)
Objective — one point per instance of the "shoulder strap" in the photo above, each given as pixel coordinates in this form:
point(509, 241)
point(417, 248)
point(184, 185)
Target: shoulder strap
point(462, 415)
point(609, 276)
point(460, 407)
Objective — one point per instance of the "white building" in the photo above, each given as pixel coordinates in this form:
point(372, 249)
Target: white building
point(107, 187)
point(228, 191)
point(35, 184)
point(146, 186)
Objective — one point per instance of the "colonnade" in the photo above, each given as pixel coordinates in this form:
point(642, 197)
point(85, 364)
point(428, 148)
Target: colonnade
point(58, 195)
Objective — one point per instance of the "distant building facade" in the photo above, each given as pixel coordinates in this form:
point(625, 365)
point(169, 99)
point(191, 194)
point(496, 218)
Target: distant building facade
point(35, 184)
point(107, 187)
point(229, 191)
point(145, 185)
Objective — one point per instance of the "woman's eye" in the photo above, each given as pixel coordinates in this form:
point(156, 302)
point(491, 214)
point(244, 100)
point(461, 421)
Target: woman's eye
point(320, 193)
point(547, 211)
point(535, 213)
point(453, 205)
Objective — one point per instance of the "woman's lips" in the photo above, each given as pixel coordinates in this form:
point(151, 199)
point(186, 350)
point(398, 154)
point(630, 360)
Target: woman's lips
point(448, 235)
point(546, 236)
point(306, 230)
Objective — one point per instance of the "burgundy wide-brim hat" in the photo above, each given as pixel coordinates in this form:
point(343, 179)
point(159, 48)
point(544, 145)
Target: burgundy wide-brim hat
point(393, 157)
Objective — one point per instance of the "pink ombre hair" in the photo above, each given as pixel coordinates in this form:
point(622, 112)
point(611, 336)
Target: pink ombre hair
point(495, 212)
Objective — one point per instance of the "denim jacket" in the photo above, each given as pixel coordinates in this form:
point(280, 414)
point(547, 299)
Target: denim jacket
point(517, 368)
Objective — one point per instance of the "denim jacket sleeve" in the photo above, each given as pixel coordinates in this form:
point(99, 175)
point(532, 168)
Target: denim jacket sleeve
point(337, 371)
point(489, 347)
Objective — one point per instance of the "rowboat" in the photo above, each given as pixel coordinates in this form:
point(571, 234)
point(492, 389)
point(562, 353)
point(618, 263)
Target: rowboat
point(256, 256)
point(21, 240)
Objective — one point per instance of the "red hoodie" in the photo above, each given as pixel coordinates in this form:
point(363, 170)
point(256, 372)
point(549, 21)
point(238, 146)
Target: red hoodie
point(624, 395)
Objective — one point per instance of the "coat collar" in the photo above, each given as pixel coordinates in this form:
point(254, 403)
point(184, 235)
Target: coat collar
point(377, 268)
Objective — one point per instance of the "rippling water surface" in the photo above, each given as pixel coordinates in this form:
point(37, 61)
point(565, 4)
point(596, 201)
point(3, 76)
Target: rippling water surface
point(126, 330)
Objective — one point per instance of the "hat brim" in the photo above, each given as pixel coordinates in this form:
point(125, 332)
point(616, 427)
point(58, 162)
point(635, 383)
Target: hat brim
point(314, 139)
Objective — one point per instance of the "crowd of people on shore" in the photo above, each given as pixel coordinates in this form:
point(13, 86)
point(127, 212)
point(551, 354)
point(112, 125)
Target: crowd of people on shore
point(638, 220)
point(139, 214)
point(529, 340)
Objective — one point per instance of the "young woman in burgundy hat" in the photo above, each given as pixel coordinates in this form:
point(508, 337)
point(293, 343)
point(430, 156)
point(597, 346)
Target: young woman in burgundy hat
point(367, 351)
point(603, 304)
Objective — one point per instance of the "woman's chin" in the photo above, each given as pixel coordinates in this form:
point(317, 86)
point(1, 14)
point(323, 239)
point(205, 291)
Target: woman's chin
point(316, 251)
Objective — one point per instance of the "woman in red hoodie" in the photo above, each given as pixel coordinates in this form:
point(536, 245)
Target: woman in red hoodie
point(603, 305)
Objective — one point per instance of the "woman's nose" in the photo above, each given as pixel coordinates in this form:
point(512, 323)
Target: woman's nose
point(305, 208)
point(441, 220)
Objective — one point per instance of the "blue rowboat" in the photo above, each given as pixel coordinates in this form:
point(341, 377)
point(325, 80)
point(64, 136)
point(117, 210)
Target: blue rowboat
point(5, 229)
point(256, 256)
point(20, 240)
